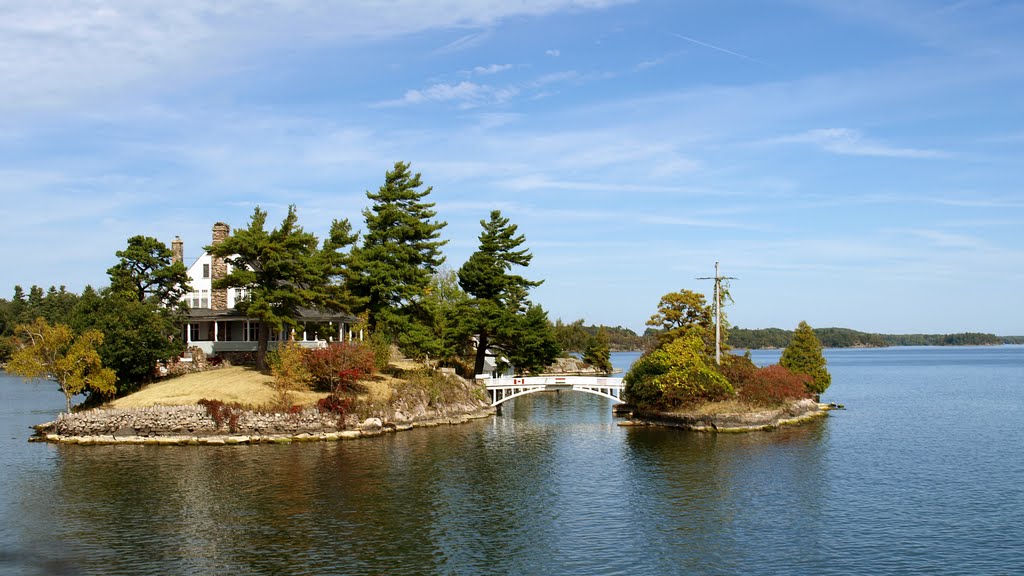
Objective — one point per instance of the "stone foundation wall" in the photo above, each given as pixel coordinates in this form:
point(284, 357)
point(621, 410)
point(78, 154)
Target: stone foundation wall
point(194, 422)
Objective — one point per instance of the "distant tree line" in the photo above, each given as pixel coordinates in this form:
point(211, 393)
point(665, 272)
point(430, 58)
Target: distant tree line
point(576, 337)
point(847, 338)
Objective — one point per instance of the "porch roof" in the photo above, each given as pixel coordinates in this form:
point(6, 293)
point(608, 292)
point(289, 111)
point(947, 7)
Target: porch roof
point(306, 315)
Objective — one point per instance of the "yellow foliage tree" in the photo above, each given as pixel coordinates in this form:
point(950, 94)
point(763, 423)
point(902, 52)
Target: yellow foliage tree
point(289, 369)
point(55, 353)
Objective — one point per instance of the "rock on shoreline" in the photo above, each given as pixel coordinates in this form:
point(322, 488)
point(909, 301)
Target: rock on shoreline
point(768, 419)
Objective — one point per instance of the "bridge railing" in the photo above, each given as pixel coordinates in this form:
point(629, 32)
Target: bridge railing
point(551, 381)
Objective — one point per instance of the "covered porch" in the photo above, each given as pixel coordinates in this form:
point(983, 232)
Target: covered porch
point(219, 331)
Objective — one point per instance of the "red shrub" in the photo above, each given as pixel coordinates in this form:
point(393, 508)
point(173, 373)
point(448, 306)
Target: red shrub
point(220, 412)
point(340, 366)
point(774, 385)
point(334, 405)
point(737, 369)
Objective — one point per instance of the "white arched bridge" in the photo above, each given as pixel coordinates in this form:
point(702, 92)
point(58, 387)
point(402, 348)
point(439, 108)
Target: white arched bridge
point(500, 390)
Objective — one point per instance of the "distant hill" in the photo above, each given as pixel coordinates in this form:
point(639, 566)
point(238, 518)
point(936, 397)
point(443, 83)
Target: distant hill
point(847, 338)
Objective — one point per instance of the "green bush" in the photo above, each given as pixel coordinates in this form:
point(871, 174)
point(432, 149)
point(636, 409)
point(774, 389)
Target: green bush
point(641, 388)
point(676, 374)
point(381, 346)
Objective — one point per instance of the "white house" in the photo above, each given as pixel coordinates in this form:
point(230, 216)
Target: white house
point(216, 327)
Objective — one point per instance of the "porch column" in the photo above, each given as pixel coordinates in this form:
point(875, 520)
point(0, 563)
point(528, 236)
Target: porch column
point(216, 331)
point(188, 333)
point(341, 332)
point(245, 337)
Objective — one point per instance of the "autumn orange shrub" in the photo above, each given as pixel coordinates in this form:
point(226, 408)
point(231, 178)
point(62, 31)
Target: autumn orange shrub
point(774, 385)
point(338, 367)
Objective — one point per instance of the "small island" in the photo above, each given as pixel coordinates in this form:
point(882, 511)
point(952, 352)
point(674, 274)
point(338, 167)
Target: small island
point(686, 382)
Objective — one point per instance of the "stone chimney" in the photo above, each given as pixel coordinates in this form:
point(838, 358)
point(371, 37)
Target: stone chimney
point(177, 251)
point(219, 269)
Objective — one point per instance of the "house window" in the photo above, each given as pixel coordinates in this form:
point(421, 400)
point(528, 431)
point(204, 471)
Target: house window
point(195, 299)
point(193, 332)
point(224, 331)
point(204, 299)
point(253, 332)
point(241, 294)
point(206, 270)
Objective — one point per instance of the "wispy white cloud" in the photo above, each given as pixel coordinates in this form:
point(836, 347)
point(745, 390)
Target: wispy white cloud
point(980, 202)
point(55, 54)
point(718, 48)
point(467, 94)
point(850, 142)
point(491, 69)
point(553, 53)
point(463, 43)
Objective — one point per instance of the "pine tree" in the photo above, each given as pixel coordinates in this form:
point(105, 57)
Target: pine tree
point(400, 252)
point(529, 341)
point(497, 296)
point(803, 356)
point(145, 272)
point(284, 271)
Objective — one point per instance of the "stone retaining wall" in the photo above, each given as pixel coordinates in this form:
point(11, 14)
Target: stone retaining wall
point(194, 425)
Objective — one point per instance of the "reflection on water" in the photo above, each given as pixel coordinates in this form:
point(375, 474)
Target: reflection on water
point(553, 486)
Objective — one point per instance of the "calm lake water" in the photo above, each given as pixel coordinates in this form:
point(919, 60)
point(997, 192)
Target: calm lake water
point(923, 473)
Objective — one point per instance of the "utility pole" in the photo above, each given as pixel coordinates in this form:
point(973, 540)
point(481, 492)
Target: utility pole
point(718, 311)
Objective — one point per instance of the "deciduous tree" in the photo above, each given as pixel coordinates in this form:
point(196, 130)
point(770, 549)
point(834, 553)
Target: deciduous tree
point(54, 352)
point(681, 313)
point(136, 335)
point(598, 352)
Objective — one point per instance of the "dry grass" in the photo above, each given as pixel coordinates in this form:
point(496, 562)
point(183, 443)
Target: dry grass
point(721, 407)
point(231, 384)
point(234, 384)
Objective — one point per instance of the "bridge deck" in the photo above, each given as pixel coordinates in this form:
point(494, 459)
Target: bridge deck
point(500, 390)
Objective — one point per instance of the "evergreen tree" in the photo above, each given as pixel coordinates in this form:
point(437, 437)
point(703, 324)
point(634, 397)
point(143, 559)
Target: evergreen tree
point(598, 352)
point(497, 296)
point(529, 342)
point(572, 337)
point(400, 252)
point(803, 356)
point(437, 319)
point(145, 272)
point(284, 271)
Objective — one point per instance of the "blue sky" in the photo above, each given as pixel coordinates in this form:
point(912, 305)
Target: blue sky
point(854, 164)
